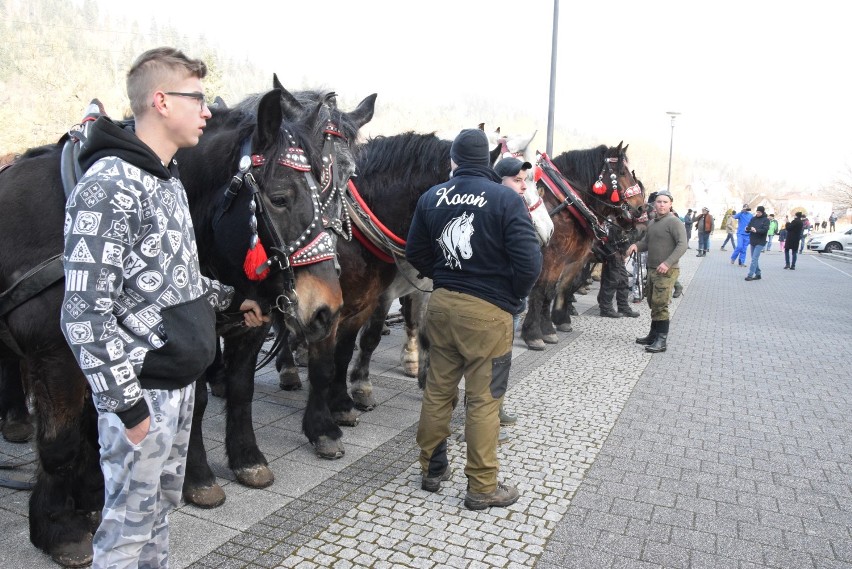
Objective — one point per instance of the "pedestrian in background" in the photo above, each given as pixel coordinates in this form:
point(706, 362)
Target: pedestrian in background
point(687, 224)
point(731, 231)
point(743, 218)
point(705, 225)
point(757, 228)
point(791, 245)
point(773, 230)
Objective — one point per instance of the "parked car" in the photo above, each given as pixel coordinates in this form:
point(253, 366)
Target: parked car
point(830, 242)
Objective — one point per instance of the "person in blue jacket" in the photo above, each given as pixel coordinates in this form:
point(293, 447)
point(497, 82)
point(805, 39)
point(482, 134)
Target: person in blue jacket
point(743, 218)
point(476, 241)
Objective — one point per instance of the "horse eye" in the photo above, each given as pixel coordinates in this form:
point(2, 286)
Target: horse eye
point(279, 201)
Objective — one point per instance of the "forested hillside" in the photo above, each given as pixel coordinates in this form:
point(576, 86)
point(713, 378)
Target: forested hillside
point(55, 56)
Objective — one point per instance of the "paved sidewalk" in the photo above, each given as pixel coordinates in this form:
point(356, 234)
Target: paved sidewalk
point(728, 450)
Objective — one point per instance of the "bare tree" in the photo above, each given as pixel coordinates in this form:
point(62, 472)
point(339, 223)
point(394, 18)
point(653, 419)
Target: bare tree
point(840, 191)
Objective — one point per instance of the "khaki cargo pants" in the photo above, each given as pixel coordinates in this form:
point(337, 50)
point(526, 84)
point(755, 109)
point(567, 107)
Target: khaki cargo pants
point(469, 337)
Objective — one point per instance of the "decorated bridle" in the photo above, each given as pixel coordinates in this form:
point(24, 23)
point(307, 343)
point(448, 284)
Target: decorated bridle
point(314, 244)
point(617, 196)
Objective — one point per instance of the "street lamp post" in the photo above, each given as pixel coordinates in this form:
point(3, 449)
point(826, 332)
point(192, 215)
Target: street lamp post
point(671, 144)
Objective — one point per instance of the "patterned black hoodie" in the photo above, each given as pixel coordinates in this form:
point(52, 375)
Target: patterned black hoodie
point(137, 311)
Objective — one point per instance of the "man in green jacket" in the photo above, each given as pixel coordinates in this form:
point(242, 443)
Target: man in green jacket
point(665, 242)
point(773, 231)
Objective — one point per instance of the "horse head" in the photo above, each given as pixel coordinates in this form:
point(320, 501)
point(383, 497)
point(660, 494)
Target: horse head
point(617, 187)
point(275, 220)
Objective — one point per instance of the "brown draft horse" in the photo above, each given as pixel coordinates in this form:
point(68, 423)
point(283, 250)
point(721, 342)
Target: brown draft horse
point(570, 247)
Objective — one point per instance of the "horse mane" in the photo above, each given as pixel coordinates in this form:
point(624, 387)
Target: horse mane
point(581, 166)
point(418, 158)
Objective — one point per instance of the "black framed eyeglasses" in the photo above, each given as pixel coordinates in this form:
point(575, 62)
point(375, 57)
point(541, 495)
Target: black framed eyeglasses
point(195, 95)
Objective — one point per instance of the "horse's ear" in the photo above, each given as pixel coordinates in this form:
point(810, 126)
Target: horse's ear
point(276, 84)
point(290, 106)
point(619, 145)
point(363, 113)
point(482, 126)
point(269, 118)
point(495, 154)
point(624, 150)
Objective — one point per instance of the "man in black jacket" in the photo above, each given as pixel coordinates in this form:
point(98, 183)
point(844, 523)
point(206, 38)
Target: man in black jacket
point(794, 235)
point(615, 280)
point(476, 241)
point(757, 229)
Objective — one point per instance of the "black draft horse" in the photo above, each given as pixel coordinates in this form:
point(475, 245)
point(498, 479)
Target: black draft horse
point(331, 135)
point(570, 247)
point(65, 504)
point(393, 172)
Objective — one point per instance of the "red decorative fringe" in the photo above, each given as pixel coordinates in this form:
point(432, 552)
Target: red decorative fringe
point(255, 258)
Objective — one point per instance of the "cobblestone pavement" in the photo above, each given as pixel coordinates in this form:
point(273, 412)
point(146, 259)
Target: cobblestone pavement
point(729, 450)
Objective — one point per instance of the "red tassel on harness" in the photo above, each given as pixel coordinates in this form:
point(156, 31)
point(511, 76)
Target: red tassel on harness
point(255, 258)
point(614, 197)
point(599, 188)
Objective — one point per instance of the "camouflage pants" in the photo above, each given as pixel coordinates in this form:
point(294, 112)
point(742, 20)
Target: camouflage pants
point(660, 292)
point(143, 482)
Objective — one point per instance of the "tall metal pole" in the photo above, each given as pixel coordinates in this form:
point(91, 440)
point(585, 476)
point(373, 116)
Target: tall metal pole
point(552, 100)
point(671, 145)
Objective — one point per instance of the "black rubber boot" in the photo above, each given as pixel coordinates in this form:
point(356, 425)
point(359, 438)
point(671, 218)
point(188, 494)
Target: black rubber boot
point(652, 335)
point(659, 344)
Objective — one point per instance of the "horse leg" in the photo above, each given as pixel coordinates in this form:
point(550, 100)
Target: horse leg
point(413, 309)
point(531, 328)
point(68, 496)
point(317, 423)
point(548, 332)
point(215, 373)
point(244, 457)
point(285, 363)
point(199, 484)
point(17, 426)
point(371, 334)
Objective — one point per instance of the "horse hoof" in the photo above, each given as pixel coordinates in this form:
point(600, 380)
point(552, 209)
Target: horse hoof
point(289, 380)
point(550, 339)
point(565, 328)
point(17, 431)
point(537, 344)
point(259, 476)
point(218, 389)
point(74, 554)
point(363, 400)
point(205, 496)
point(329, 448)
point(345, 418)
point(410, 370)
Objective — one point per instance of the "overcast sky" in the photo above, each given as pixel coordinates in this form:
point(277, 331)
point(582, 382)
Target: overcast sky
point(757, 83)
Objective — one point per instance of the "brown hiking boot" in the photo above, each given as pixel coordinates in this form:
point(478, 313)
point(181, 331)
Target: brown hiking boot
point(433, 483)
point(502, 497)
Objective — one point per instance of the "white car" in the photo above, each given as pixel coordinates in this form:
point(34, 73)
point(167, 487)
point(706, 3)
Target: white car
point(831, 242)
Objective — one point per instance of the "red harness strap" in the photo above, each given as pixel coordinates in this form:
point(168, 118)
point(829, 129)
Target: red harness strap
point(363, 240)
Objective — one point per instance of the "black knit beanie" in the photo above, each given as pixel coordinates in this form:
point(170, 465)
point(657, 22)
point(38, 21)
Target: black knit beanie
point(470, 148)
